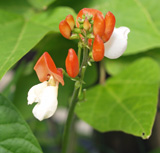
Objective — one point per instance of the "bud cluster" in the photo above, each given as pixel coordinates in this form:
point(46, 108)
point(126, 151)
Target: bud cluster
point(91, 28)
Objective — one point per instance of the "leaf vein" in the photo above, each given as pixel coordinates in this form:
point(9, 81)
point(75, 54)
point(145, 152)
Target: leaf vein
point(118, 101)
point(148, 16)
point(16, 45)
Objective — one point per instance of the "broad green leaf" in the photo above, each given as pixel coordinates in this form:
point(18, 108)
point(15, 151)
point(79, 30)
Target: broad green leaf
point(15, 135)
point(53, 17)
point(126, 102)
point(19, 35)
point(17, 6)
point(115, 66)
point(141, 16)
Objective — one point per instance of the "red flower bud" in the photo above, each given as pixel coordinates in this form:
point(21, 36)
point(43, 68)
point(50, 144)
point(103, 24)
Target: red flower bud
point(45, 67)
point(70, 21)
point(109, 26)
point(98, 49)
point(99, 25)
point(65, 29)
point(72, 63)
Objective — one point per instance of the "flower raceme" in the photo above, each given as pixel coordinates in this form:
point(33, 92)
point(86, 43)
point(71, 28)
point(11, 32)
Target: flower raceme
point(45, 93)
point(115, 39)
point(92, 21)
point(72, 63)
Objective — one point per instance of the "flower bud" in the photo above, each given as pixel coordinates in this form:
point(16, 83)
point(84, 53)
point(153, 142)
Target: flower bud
point(70, 21)
point(109, 26)
point(98, 49)
point(76, 30)
point(81, 21)
point(74, 36)
point(86, 24)
point(65, 29)
point(72, 63)
point(90, 36)
point(99, 25)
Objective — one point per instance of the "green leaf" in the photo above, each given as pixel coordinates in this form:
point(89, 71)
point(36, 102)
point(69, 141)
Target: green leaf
point(115, 66)
point(141, 16)
point(126, 102)
point(17, 6)
point(155, 150)
point(19, 35)
point(40, 4)
point(53, 17)
point(26, 7)
point(15, 135)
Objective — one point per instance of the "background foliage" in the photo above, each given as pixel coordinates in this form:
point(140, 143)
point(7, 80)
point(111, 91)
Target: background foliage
point(126, 102)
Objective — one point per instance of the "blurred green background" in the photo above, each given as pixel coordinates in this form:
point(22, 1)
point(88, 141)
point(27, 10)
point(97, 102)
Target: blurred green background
point(28, 28)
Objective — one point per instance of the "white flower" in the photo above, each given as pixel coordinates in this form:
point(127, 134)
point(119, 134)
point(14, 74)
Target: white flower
point(46, 98)
point(117, 44)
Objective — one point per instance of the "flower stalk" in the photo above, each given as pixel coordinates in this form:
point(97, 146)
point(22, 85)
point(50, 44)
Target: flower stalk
point(70, 117)
point(74, 100)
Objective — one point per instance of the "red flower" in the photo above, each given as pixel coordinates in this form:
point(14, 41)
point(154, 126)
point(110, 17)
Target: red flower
point(45, 67)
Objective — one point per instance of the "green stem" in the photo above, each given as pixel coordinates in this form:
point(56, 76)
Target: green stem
point(79, 55)
point(74, 100)
point(102, 73)
point(69, 120)
point(73, 103)
point(84, 61)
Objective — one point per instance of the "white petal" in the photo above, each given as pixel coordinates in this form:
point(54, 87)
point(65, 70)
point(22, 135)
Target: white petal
point(117, 44)
point(34, 94)
point(48, 103)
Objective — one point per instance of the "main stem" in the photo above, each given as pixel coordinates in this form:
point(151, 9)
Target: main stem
point(74, 101)
point(69, 120)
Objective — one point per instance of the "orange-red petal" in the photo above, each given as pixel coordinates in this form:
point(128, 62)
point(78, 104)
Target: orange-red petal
point(45, 67)
point(70, 21)
point(109, 26)
point(65, 29)
point(99, 25)
point(98, 49)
